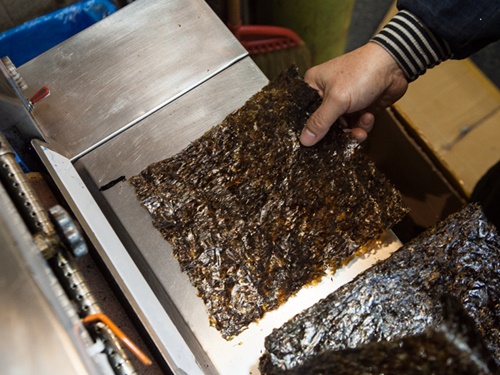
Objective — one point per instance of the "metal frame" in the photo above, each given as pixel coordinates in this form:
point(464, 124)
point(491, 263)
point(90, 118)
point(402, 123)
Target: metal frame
point(38, 320)
point(103, 124)
point(172, 346)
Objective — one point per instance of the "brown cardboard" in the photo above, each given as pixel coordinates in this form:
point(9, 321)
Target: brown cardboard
point(453, 114)
point(425, 190)
point(453, 111)
point(437, 141)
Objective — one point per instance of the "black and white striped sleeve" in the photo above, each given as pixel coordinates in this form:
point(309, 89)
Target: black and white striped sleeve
point(412, 44)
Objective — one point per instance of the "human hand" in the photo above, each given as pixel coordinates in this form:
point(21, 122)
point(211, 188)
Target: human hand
point(353, 86)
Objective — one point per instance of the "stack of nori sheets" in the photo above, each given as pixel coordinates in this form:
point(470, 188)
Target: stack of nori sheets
point(452, 348)
point(253, 216)
point(400, 296)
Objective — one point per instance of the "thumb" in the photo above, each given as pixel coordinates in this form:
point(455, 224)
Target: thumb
point(320, 122)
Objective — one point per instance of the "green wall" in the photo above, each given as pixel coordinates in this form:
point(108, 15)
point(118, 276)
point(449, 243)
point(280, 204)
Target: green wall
point(322, 24)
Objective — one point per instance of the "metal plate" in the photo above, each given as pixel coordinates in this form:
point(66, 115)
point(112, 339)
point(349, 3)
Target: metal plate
point(162, 135)
point(118, 71)
point(172, 128)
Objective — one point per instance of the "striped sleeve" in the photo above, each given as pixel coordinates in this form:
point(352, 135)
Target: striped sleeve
point(412, 44)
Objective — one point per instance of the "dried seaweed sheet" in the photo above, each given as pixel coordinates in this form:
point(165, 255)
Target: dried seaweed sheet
point(253, 216)
point(399, 296)
point(454, 347)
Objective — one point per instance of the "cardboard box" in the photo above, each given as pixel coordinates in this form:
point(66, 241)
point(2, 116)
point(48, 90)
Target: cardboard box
point(425, 190)
point(453, 113)
point(437, 141)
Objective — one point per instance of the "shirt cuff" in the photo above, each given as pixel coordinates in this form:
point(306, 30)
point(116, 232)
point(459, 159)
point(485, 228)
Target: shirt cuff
point(414, 47)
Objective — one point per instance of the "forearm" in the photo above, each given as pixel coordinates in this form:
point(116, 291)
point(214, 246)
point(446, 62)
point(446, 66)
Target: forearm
point(424, 33)
point(466, 25)
point(414, 47)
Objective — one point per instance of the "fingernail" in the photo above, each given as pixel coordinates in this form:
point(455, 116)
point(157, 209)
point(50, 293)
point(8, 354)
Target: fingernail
point(307, 138)
point(366, 121)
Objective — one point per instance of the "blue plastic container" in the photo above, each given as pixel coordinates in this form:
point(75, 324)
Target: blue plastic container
point(24, 42)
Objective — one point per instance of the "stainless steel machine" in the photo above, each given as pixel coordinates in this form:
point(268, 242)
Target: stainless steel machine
point(133, 89)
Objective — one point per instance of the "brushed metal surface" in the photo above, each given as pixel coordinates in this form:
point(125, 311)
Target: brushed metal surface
point(171, 129)
point(118, 71)
point(162, 135)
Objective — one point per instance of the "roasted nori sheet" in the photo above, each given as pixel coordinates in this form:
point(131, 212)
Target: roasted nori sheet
point(253, 216)
point(400, 296)
point(454, 347)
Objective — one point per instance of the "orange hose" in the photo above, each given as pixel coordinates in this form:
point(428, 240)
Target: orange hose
point(119, 333)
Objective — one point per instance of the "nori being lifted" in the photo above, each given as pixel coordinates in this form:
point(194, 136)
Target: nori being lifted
point(454, 347)
point(400, 296)
point(253, 216)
